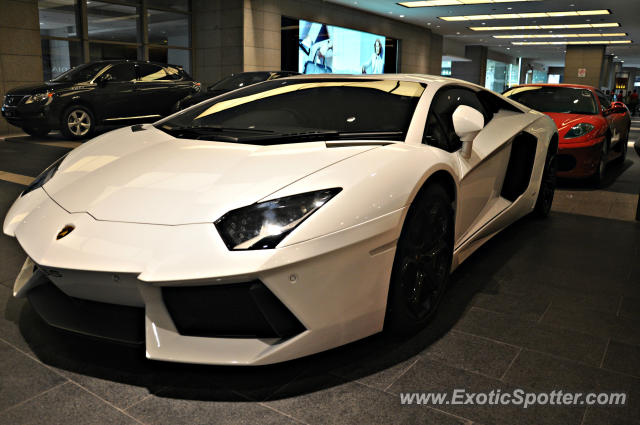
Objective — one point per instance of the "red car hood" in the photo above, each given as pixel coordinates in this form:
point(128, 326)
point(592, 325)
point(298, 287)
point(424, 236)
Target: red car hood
point(568, 120)
point(564, 122)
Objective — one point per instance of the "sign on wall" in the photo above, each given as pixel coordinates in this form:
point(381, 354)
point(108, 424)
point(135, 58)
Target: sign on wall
point(582, 72)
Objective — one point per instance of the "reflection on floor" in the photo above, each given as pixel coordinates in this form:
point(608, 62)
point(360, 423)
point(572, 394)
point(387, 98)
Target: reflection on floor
point(546, 305)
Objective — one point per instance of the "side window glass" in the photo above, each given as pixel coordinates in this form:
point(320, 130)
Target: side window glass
point(148, 72)
point(434, 133)
point(173, 74)
point(122, 73)
point(440, 115)
point(604, 103)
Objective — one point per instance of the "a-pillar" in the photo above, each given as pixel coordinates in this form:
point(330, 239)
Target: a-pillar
point(583, 65)
point(474, 71)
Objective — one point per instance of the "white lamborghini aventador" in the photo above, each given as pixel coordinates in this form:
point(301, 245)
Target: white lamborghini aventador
point(281, 219)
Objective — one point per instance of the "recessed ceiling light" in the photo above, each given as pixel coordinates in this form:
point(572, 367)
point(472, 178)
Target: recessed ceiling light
point(583, 35)
point(435, 3)
point(546, 43)
point(526, 15)
point(546, 27)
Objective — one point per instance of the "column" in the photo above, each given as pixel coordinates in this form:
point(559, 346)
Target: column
point(583, 65)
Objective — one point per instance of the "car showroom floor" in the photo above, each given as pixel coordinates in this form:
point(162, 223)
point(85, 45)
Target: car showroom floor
point(544, 305)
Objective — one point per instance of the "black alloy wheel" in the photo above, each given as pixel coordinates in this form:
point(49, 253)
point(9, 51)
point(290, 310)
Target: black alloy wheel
point(422, 262)
point(548, 185)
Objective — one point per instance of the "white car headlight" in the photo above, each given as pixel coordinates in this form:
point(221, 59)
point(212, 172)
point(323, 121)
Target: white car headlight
point(579, 130)
point(264, 225)
point(39, 98)
point(44, 177)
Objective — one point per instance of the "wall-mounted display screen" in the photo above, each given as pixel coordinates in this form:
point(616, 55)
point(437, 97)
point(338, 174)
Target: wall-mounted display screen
point(327, 49)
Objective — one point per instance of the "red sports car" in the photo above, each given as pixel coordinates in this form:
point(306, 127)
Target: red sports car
point(593, 131)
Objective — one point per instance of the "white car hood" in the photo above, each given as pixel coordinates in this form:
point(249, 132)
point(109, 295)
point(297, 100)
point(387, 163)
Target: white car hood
point(151, 177)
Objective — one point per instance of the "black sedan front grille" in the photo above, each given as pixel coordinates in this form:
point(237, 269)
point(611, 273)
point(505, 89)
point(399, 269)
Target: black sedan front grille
point(240, 310)
point(12, 100)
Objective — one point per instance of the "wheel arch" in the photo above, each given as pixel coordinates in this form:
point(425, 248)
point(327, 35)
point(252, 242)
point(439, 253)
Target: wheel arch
point(77, 102)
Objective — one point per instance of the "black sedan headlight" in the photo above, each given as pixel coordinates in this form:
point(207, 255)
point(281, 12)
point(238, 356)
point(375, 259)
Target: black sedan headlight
point(579, 130)
point(264, 225)
point(40, 98)
point(44, 177)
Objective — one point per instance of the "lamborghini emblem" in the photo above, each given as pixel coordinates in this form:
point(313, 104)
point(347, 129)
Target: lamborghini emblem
point(65, 231)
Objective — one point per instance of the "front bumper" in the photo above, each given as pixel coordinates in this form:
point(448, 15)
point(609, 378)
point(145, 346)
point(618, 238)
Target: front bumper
point(579, 160)
point(335, 286)
point(29, 116)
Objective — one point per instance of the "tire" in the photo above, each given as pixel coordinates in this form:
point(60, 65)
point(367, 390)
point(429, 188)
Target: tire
point(36, 131)
point(547, 186)
point(422, 262)
point(598, 176)
point(623, 147)
point(77, 122)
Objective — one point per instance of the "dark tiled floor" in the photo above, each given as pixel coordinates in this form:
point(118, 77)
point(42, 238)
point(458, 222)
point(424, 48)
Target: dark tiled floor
point(544, 305)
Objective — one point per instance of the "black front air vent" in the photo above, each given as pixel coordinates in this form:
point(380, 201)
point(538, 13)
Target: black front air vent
point(239, 310)
point(117, 323)
point(520, 167)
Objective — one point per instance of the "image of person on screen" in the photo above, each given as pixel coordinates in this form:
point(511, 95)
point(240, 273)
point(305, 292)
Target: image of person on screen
point(375, 65)
point(317, 48)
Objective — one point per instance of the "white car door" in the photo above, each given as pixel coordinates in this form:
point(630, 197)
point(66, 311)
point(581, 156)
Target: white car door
point(483, 171)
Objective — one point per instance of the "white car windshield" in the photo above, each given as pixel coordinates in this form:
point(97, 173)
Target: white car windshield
point(303, 109)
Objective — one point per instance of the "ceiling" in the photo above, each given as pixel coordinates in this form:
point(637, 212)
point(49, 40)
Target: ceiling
point(625, 12)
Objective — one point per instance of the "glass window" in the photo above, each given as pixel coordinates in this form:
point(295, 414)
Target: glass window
point(84, 72)
point(445, 68)
point(112, 51)
point(59, 56)
point(168, 28)
point(149, 72)
point(57, 18)
point(112, 22)
point(604, 103)
point(555, 99)
point(439, 129)
point(169, 4)
point(298, 108)
point(123, 72)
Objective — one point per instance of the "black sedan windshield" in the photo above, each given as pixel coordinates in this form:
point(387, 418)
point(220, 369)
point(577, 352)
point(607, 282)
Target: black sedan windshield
point(302, 110)
point(80, 73)
point(566, 100)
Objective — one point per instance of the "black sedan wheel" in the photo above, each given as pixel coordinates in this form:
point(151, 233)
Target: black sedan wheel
point(422, 262)
point(78, 122)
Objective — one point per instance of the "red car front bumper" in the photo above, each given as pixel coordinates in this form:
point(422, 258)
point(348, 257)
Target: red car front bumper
point(579, 160)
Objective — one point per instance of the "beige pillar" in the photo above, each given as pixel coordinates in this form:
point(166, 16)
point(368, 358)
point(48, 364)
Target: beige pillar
point(583, 60)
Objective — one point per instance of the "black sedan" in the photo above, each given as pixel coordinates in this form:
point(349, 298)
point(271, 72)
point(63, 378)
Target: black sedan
point(232, 82)
point(98, 93)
